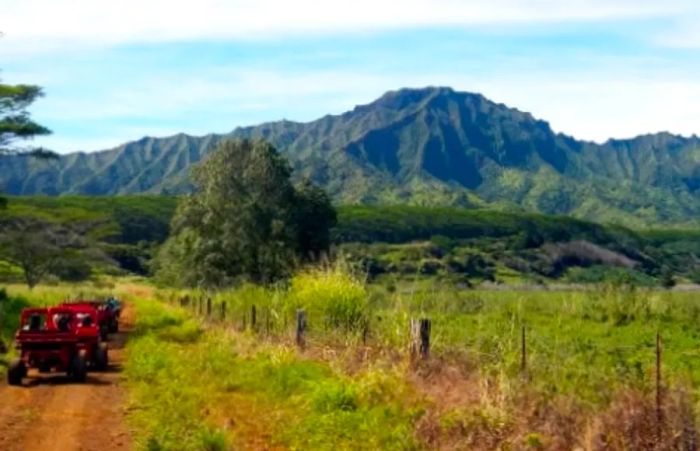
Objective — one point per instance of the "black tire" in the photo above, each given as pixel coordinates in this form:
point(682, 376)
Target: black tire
point(16, 372)
point(78, 369)
point(101, 357)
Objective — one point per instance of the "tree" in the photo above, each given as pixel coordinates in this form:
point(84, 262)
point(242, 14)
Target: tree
point(40, 248)
point(666, 279)
point(315, 217)
point(245, 220)
point(15, 122)
point(16, 125)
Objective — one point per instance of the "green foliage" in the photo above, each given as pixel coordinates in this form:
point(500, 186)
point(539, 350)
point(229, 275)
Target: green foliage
point(15, 123)
point(119, 219)
point(333, 296)
point(402, 223)
point(603, 274)
point(181, 388)
point(666, 278)
point(315, 217)
point(10, 307)
point(245, 221)
point(39, 248)
point(117, 233)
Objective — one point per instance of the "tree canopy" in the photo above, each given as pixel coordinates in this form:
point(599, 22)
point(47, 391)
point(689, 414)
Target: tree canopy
point(40, 248)
point(15, 121)
point(246, 220)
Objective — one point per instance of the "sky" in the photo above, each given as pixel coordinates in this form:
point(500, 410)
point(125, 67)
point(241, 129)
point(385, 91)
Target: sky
point(115, 71)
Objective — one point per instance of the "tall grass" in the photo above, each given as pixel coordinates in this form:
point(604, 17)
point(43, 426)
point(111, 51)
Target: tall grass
point(590, 361)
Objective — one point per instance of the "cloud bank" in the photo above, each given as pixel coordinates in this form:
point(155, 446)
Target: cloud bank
point(33, 25)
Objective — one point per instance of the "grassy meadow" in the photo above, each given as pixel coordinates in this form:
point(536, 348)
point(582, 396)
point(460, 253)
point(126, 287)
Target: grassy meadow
point(589, 379)
point(225, 381)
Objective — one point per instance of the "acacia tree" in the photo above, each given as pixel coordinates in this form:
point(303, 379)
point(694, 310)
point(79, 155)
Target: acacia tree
point(245, 220)
point(39, 248)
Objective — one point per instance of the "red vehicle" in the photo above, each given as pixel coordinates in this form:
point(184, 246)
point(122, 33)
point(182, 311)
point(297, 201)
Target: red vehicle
point(59, 339)
point(107, 318)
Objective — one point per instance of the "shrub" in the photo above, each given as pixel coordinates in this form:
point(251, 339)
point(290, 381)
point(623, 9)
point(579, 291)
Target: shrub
point(333, 294)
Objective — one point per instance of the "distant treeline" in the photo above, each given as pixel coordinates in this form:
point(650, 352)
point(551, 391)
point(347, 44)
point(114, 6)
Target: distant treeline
point(121, 219)
point(400, 224)
point(131, 219)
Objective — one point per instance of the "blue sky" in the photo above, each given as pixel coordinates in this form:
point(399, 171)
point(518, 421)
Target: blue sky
point(117, 71)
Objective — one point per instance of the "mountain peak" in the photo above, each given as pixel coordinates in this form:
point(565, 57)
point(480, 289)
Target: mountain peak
point(405, 96)
point(431, 145)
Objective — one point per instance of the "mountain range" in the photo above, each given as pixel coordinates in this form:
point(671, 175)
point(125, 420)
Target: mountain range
point(430, 146)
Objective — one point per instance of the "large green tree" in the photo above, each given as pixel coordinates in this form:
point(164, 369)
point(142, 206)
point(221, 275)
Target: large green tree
point(245, 220)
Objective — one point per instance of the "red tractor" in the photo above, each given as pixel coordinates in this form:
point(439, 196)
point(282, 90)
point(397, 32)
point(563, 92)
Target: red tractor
point(59, 339)
point(107, 317)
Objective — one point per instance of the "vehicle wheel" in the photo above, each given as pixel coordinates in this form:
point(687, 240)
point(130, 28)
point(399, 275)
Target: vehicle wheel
point(16, 372)
point(101, 357)
point(78, 370)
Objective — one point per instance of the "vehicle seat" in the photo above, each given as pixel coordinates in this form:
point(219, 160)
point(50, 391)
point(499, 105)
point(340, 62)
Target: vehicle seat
point(35, 322)
point(63, 323)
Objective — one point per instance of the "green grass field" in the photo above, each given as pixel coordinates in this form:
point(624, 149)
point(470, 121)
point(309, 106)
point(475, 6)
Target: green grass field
point(197, 382)
point(590, 359)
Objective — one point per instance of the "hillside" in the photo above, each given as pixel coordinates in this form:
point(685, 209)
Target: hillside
point(431, 146)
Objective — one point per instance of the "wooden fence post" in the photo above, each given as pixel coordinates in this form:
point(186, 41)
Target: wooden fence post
point(301, 328)
point(208, 307)
point(253, 317)
point(420, 338)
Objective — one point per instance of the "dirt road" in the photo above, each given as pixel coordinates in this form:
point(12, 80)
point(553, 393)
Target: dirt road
point(51, 413)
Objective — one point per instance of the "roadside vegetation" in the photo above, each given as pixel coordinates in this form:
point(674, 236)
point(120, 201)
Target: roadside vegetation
point(226, 381)
point(200, 386)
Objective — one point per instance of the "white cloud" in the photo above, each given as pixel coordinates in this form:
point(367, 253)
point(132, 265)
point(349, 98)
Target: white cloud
point(684, 34)
point(598, 110)
point(622, 100)
point(41, 25)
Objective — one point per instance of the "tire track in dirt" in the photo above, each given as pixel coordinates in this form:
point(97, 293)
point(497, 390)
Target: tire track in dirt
point(51, 413)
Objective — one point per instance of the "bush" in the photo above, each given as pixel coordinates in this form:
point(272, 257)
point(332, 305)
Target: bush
point(333, 294)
